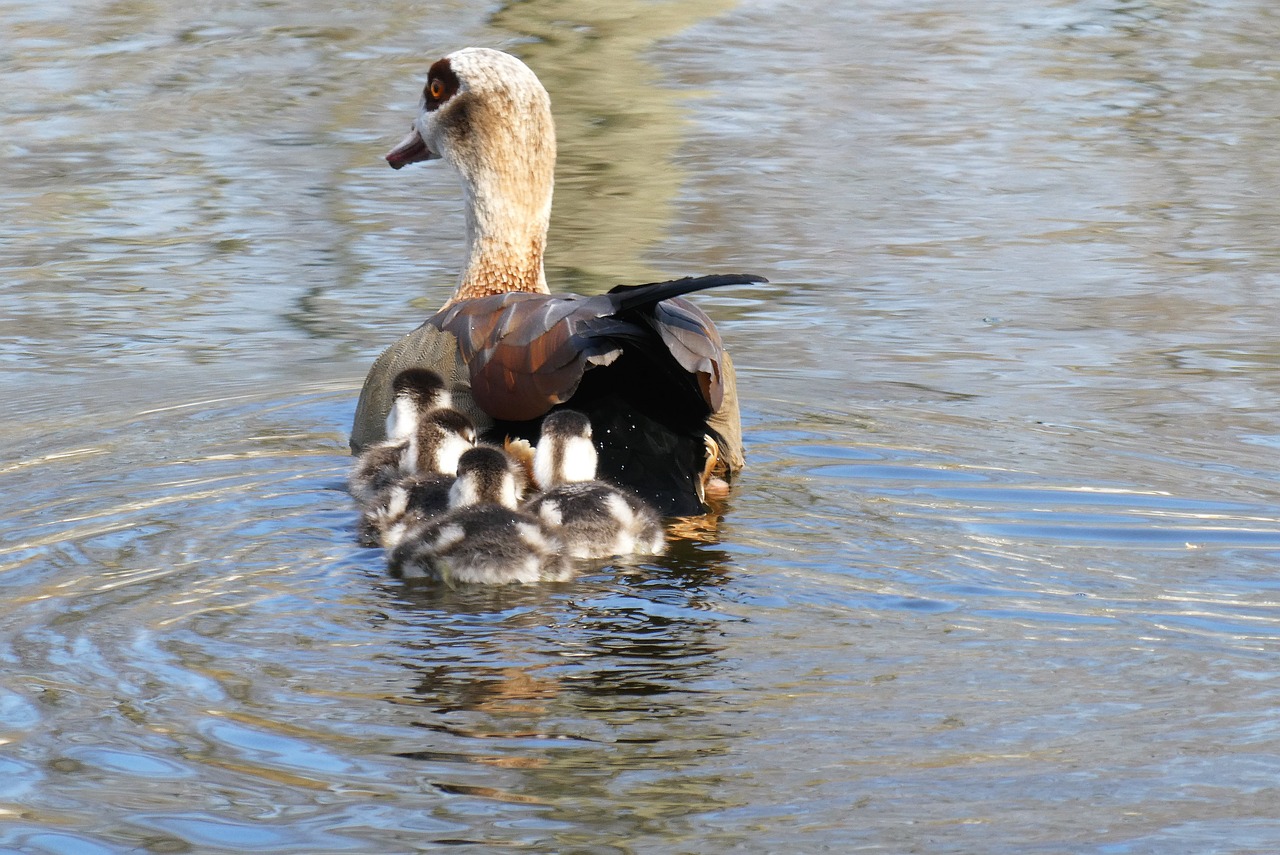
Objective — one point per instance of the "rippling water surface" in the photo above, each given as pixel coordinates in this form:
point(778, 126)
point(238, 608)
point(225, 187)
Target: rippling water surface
point(1001, 575)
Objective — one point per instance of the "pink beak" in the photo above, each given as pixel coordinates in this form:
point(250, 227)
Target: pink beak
point(410, 150)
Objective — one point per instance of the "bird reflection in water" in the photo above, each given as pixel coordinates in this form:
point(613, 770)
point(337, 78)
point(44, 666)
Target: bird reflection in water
point(615, 633)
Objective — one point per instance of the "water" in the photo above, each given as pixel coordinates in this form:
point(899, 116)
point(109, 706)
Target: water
point(1000, 576)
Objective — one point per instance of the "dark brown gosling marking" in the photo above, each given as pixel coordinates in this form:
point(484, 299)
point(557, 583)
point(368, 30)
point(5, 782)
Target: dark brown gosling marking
point(423, 386)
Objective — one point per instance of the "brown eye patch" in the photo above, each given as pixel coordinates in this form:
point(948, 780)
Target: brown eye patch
point(442, 84)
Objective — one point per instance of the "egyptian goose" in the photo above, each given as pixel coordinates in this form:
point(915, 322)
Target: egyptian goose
point(648, 369)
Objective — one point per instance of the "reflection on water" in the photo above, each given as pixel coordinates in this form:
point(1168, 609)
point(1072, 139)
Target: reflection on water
point(999, 576)
point(620, 123)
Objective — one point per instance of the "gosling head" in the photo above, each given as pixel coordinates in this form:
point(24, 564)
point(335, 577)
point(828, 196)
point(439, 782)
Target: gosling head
point(565, 453)
point(485, 475)
point(442, 437)
point(415, 392)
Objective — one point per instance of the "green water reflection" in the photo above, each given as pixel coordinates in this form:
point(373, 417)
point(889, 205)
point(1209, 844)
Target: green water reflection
point(620, 122)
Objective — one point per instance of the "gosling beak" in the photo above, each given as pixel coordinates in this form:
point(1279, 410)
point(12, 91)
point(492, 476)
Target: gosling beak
point(410, 150)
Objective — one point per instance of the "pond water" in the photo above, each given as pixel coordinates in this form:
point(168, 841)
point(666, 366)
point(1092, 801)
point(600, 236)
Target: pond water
point(1001, 575)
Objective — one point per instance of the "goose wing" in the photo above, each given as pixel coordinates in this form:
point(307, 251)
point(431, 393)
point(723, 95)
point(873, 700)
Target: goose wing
point(528, 352)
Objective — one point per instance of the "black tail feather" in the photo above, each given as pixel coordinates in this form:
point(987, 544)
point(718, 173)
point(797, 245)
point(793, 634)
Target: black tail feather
point(627, 297)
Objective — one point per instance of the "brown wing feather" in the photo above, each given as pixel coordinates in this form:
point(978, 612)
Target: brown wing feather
point(527, 352)
point(695, 343)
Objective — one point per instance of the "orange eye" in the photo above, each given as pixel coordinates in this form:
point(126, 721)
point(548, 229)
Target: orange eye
point(436, 90)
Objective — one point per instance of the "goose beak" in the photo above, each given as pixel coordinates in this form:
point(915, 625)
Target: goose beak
point(410, 150)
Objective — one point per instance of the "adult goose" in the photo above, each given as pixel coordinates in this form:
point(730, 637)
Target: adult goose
point(647, 368)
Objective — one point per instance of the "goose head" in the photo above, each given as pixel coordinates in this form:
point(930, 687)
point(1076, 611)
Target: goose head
point(486, 114)
point(564, 453)
point(485, 475)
